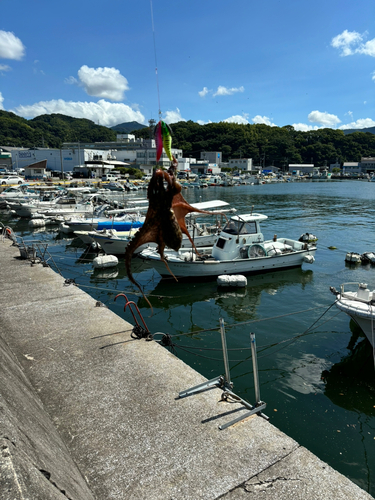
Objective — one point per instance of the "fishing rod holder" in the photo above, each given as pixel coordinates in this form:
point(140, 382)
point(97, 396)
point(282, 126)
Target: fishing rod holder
point(138, 331)
point(224, 382)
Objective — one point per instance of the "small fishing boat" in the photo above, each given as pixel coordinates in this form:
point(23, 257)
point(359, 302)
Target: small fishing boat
point(359, 304)
point(240, 248)
point(106, 218)
point(114, 242)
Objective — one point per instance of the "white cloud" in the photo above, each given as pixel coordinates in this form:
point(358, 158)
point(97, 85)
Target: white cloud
point(173, 116)
point(361, 123)
point(102, 112)
point(1, 101)
point(11, 47)
point(202, 122)
point(368, 48)
point(238, 119)
point(204, 92)
point(107, 83)
point(302, 127)
point(225, 91)
point(351, 42)
point(373, 78)
point(345, 40)
point(71, 81)
point(263, 119)
point(4, 67)
point(324, 119)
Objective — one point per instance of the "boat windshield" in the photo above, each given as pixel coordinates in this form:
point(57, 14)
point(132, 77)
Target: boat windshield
point(240, 227)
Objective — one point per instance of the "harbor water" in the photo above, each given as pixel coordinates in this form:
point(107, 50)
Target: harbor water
point(316, 370)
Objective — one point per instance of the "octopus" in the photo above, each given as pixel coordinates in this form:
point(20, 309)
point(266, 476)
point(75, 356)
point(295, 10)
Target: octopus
point(165, 219)
point(160, 226)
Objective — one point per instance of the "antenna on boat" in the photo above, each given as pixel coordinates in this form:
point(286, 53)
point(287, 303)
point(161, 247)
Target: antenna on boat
point(252, 208)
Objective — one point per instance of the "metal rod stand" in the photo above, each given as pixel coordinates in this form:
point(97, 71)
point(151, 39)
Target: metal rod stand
point(224, 383)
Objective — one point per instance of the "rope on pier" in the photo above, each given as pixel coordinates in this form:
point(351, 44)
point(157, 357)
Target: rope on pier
point(167, 341)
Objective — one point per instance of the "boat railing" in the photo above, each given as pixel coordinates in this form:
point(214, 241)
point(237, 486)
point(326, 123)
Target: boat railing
point(350, 294)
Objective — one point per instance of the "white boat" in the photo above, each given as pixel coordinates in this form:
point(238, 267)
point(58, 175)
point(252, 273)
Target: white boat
point(104, 217)
point(204, 235)
point(16, 193)
point(24, 193)
point(30, 207)
point(64, 205)
point(115, 242)
point(359, 305)
point(120, 223)
point(239, 249)
point(326, 175)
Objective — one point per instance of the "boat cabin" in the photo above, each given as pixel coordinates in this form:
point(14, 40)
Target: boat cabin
point(239, 234)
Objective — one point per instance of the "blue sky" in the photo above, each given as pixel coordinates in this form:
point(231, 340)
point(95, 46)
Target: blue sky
point(309, 64)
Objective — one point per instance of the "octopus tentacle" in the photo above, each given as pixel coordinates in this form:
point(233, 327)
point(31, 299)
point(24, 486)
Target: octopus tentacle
point(160, 225)
point(181, 208)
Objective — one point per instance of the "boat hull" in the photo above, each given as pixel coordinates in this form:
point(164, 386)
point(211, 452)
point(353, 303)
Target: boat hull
point(361, 313)
point(210, 268)
point(115, 245)
point(99, 225)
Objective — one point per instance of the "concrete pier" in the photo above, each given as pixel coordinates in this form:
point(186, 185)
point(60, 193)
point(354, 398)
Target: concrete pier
point(86, 412)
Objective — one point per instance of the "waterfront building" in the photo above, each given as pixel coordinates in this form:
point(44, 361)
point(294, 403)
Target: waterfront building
point(301, 168)
point(214, 157)
point(244, 164)
point(351, 168)
point(5, 160)
point(368, 165)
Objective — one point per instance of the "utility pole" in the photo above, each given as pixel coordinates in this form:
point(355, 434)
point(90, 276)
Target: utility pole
point(62, 167)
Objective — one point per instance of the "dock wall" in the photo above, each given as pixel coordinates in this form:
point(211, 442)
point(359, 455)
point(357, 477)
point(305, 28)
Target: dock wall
point(88, 412)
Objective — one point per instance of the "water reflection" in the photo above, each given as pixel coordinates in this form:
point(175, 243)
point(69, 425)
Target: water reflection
point(240, 304)
point(350, 383)
point(304, 374)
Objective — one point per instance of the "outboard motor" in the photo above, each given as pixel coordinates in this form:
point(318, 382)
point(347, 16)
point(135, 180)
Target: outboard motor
point(308, 238)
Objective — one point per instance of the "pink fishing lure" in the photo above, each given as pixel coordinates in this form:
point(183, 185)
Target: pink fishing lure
point(159, 141)
point(163, 138)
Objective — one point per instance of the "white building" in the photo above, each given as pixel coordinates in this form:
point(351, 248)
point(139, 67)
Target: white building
point(146, 157)
point(184, 164)
point(368, 164)
point(214, 157)
point(351, 167)
point(244, 164)
point(60, 160)
point(301, 168)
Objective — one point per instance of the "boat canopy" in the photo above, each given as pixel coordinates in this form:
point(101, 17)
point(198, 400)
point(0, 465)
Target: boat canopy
point(249, 217)
point(207, 205)
point(244, 224)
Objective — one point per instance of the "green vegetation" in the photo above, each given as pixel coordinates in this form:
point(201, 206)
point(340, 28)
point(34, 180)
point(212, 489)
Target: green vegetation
point(49, 131)
point(134, 173)
point(266, 145)
point(127, 128)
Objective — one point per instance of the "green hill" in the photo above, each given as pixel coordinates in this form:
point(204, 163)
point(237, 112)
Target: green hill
point(49, 131)
point(128, 127)
point(370, 130)
point(266, 145)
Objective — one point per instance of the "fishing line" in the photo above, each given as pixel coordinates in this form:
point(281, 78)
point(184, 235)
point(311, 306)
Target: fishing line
point(156, 63)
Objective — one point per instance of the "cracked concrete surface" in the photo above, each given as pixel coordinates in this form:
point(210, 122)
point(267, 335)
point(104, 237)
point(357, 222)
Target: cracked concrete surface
point(300, 475)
